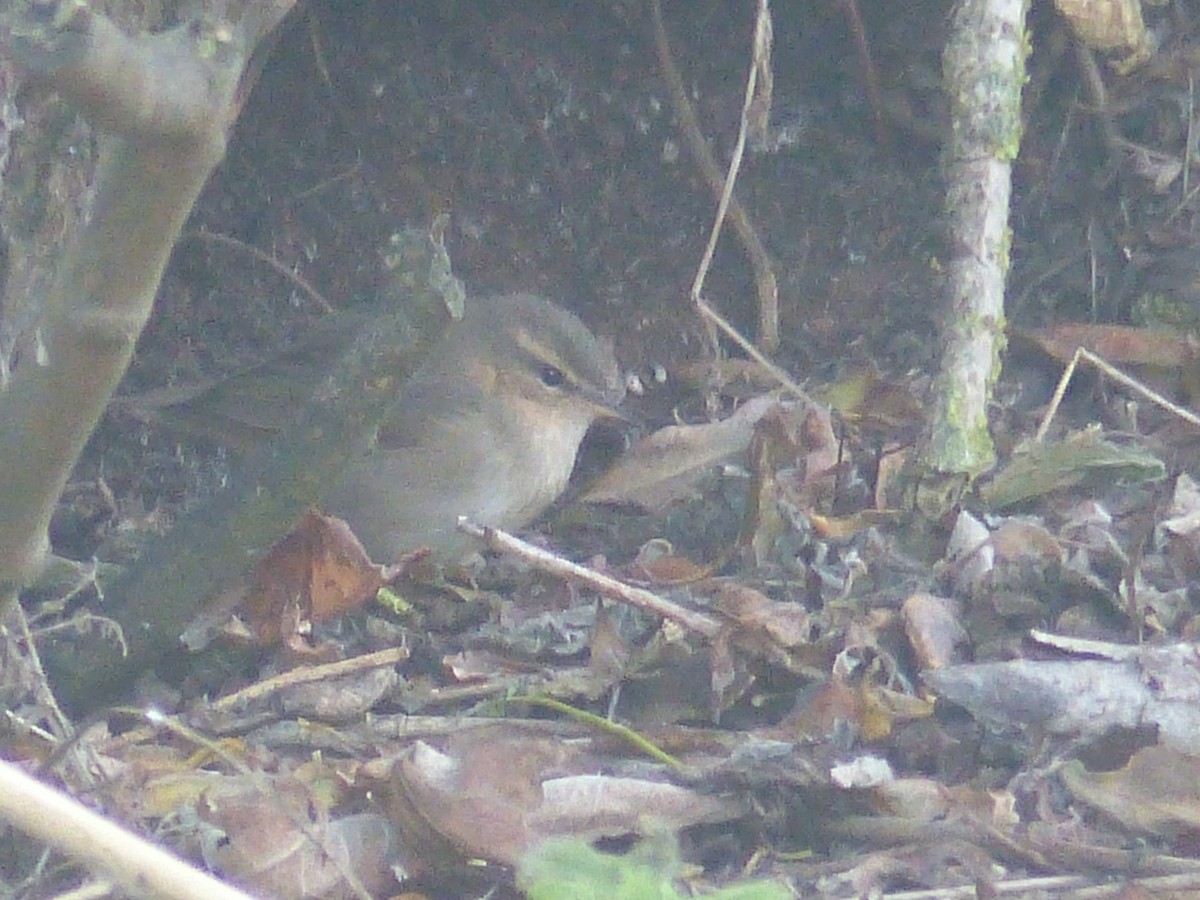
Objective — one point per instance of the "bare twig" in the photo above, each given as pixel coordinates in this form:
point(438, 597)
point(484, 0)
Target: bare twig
point(128, 860)
point(275, 265)
point(722, 186)
point(705, 626)
point(309, 675)
point(753, 352)
point(1116, 375)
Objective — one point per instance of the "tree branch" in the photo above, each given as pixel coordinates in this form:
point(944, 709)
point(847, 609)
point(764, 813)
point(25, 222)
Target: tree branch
point(164, 103)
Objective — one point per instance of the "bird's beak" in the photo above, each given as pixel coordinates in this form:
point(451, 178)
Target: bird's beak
point(605, 403)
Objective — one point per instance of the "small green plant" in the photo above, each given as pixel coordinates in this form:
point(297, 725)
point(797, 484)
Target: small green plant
point(570, 869)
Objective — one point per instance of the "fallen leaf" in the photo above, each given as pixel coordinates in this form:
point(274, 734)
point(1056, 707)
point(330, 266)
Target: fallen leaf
point(664, 467)
point(1086, 456)
point(1137, 688)
point(318, 571)
point(1118, 344)
point(657, 564)
point(1157, 792)
point(934, 628)
point(278, 839)
point(496, 794)
point(794, 462)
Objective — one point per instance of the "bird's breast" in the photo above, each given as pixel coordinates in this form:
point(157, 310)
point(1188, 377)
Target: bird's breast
point(539, 463)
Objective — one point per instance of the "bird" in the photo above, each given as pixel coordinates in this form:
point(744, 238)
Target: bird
point(488, 427)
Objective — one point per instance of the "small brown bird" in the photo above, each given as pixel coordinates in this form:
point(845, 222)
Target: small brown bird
point(488, 427)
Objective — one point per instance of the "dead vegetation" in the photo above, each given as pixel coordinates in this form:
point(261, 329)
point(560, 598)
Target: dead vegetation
point(805, 678)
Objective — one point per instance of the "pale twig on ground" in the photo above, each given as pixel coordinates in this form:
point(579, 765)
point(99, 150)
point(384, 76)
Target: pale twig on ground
point(128, 860)
point(310, 674)
point(706, 626)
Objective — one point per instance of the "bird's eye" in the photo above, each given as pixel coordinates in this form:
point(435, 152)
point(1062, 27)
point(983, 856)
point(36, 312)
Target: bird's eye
point(552, 376)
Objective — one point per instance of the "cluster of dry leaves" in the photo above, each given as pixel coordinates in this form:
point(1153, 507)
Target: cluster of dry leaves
point(844, 699)
point(859, 702)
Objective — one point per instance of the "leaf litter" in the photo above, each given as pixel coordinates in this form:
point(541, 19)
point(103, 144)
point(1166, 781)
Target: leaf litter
point(852, 700)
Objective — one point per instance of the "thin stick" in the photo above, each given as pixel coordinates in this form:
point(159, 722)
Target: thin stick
point(1116, 375)
point(265, 258)
point(698, 622)
point(310, 674)
point(722, 187)
point(84, 835)
point(753, 352)
point(1060, 391)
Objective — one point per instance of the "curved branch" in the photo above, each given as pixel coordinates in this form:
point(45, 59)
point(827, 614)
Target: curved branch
point(164, 103)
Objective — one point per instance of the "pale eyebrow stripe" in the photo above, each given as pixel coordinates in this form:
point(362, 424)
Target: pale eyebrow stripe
point(540, 351)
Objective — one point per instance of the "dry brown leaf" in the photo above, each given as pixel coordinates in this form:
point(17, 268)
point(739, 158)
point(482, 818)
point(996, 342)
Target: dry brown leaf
point(1157, 792)
point(1137, 688)
point(918, 799)
point(934, 628)
point(162, 795)
point(923, 801)
point(793, 459)
point(765, 628)
point(842, 527)
point(279, 840)
point(495, 794)
point(884, 708)
point(821, 713)
point(1018, 542)
point(318, 571)
point(476, 665)
point(657, 564)
point(665, 466)
point(1118, 344)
